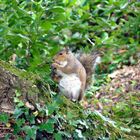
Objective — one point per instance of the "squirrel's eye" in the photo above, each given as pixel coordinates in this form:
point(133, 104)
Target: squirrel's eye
point(60, 53)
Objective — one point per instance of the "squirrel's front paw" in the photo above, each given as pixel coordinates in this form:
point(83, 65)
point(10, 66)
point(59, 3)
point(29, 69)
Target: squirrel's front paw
point(54, 65)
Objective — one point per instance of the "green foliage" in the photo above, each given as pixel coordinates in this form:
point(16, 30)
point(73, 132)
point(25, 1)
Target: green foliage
point(30, 131)
point(48, 126)
point(4, 118)
point(35, 30)
point(32, 31)
point(66, 125)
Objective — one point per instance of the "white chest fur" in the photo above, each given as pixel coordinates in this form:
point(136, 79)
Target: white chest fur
point(70, 86)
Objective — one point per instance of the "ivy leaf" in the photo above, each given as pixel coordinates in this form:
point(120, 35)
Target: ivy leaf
point(57, 136)
point(4, 118)
point(48, 126)
point(18, 112)
point(30, 131)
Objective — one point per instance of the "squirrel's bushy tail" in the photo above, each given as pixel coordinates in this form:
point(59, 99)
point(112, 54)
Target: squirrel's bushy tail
point(89, 61)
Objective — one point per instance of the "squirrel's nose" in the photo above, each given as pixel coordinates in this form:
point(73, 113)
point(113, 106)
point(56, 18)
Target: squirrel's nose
point(53, 59)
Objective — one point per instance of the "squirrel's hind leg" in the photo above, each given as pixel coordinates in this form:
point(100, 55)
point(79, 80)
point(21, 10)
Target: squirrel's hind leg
point(81, 94)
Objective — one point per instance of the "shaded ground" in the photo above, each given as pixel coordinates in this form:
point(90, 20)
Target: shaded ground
point(118, 99)
point(123, 84)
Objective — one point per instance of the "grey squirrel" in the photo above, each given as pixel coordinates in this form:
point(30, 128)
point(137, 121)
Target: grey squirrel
point(73, 74)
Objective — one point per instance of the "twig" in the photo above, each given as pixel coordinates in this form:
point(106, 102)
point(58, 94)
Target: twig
point(93, 44)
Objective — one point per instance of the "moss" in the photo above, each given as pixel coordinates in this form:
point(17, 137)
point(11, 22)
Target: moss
point(22, 74)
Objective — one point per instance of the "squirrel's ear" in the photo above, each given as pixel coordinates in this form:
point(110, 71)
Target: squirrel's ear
point(67, 49)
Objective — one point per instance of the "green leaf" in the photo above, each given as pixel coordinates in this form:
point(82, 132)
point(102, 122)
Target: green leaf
point(30, 131)
point(4, 118)
point(104, 36)
point(46, 25)
point(57, 9)
point(59, 17)
point(57, 136)
point(20, 122)
point(48, 126)
point(18, 112)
